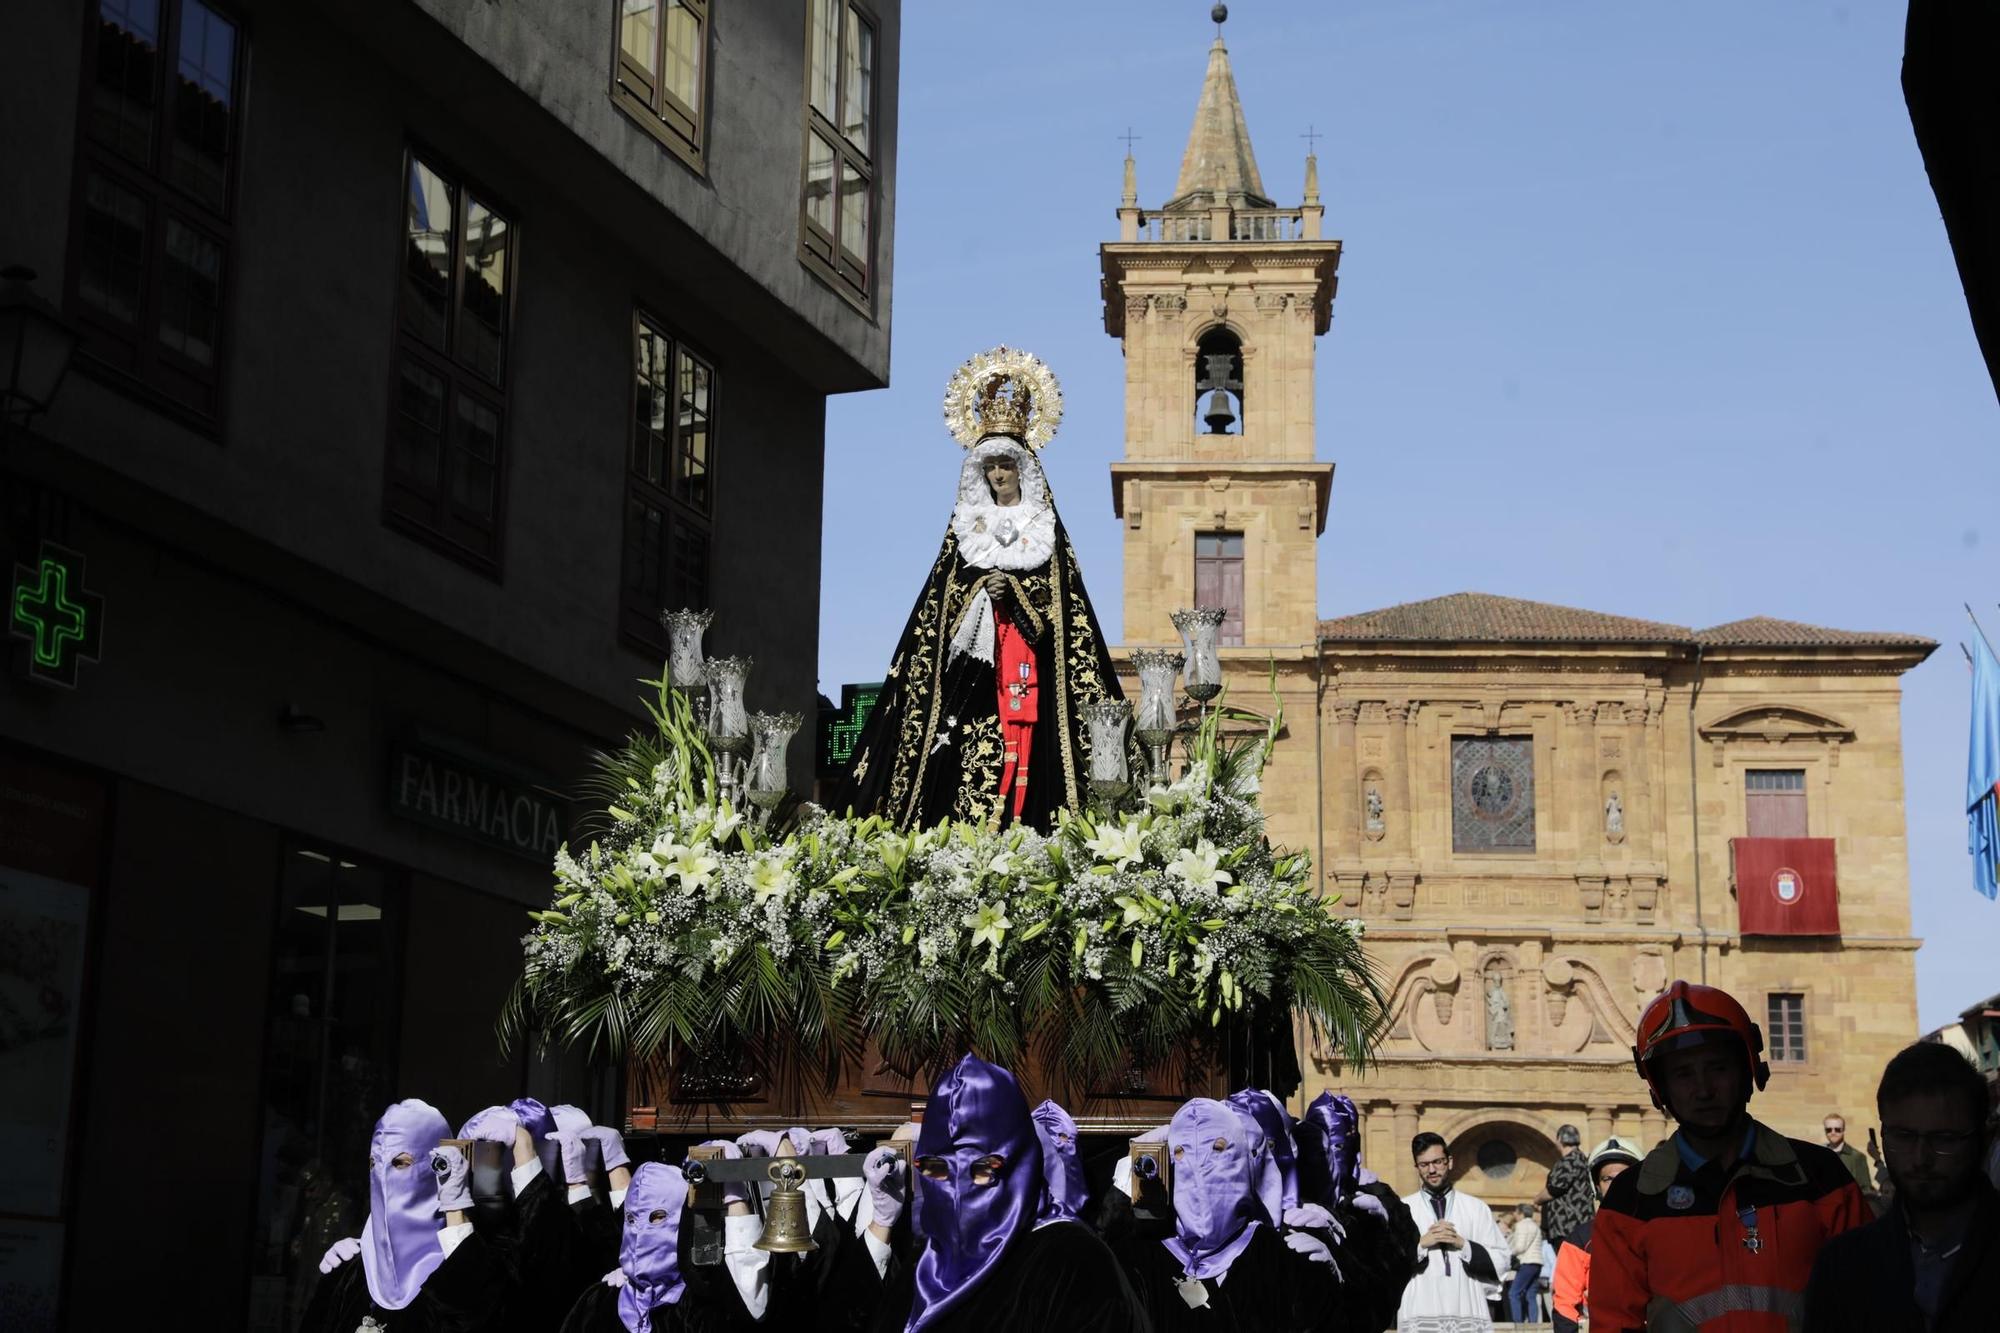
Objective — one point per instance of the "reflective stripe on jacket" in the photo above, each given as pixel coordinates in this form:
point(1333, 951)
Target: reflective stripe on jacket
point(1674, 1247)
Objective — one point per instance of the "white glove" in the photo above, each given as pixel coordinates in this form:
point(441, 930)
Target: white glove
point(615, 1278)
point(1313, 1249)
point(339, 1253)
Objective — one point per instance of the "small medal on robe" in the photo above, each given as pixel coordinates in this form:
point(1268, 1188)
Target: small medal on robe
point(1193, 1292)
point(1751, 1240)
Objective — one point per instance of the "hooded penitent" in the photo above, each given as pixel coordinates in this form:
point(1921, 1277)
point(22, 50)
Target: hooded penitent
point(1265, 1112)
point(1062, 1169)
point(1225, 1185)
point(649, 1254)
point(1334, 1118)
point(976, 1124)
point(399, 1241)
point(540, 1124)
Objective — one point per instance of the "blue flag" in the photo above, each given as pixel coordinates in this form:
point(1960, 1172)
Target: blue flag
point(1982, 771)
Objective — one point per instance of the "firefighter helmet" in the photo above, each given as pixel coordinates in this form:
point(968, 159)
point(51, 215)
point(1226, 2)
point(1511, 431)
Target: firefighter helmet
point(1686, 1015)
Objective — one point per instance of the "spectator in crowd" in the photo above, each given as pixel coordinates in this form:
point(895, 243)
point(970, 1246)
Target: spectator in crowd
point(1567, 1199)
point(1525, 1241)
point(1460, 1252)
point(1719, 1226)
point(1933, 1260)
point(1569, 1290)
point(1835, 1129)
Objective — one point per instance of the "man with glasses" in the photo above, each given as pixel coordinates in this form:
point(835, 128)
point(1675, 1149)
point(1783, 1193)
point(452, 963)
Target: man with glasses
point(1835, 1129)
point(1460, 1253)
point(1933, 1260)
point(1718, 1227)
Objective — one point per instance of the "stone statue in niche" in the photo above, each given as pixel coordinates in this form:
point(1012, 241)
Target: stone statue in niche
point(1614, 817)
point(1499, 1014)
point(1373, 801)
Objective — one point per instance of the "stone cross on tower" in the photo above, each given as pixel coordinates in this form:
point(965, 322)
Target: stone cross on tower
point(1218, 297)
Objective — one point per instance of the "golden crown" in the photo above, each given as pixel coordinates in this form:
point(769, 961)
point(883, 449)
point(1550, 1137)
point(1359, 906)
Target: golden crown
point(1003, 391)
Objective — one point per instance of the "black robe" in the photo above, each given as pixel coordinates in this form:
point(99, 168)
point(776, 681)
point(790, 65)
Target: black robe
point(701, 1309)
point(599, 1230)
point(548, 1251)
point(932, 748)
point(1270, 1288)
point(473, 1291)
point(835, 1288)
point(1060, 1276)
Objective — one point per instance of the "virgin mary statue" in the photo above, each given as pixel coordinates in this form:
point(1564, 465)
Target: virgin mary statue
point(981, 715)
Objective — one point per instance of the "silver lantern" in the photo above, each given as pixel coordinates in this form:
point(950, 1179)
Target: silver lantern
point(766, 779)
point(1157, 668)
point(728, 725)
point(684, 630)
point(1199, 629)
point(1107, 720)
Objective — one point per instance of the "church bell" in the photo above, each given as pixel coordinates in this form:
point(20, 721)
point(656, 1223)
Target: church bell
point(785, 1229)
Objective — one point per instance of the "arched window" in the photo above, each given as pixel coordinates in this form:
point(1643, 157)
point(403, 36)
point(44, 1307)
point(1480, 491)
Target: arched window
point(1218, 383)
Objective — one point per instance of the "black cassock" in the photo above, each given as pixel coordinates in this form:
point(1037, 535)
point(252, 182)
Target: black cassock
point(599, 1229)
point(1270, 1288)
point(835, 1288)
point(932, 748)
point(1378, 1258)
point(1060, 1276)
point(473, 1291)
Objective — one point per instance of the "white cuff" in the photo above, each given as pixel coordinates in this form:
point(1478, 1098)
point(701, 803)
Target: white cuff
point(524, 1175)
point(879, 1251)
point(617, 1199)
point(578, 1193)
point(450, 1238)
point(749, 1267)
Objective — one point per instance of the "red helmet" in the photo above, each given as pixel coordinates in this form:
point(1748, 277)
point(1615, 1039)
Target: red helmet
point(1685, 1015)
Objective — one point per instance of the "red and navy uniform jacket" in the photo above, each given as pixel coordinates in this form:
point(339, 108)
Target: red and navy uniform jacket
point(1683, 1243)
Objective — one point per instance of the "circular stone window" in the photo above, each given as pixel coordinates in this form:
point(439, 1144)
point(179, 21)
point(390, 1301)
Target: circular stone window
point(1497, 1159)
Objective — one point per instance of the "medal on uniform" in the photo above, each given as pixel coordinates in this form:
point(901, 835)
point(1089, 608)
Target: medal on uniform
point(1751, 1240)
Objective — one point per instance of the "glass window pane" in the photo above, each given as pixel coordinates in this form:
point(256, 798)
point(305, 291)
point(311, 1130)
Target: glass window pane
point(639, 34)
point(858, 100)
point(420, 425)
point(683, 72)
point(124, 99)
point(691, 468)
point(111, 276)
point(645, 552)
point(686, 577)
point(819, 183)
point(206, 91)
point(475, 456)
point(482, 334)
point(190, 293)
point(854, 207)
point(651, 395)
point(822, 72)
point(427, 254)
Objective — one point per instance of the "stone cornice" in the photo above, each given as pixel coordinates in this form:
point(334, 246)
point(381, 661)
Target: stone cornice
point(1199, 471)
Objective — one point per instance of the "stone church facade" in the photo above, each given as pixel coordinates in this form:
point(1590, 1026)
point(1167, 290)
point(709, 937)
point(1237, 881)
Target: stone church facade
point(1539, 814)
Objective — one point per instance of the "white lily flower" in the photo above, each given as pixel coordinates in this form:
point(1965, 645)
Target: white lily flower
point(1200, 865)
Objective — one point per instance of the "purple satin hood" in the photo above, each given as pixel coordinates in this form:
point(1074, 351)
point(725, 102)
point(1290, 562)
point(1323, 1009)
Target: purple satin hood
point(1064, 1193)
point(650, 1251)
point(1269, 1116)
point(540, 1124)
point(1221, 1195)
point(974, 1111)
point(399, 1241)
point(1334, 1117)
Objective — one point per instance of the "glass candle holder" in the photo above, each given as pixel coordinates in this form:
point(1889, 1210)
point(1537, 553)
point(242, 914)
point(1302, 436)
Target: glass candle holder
point(1110, 777)
point(684, 630)
point(728, 724)
point(766, 780)
point(1157, 668)
point(1200, 628)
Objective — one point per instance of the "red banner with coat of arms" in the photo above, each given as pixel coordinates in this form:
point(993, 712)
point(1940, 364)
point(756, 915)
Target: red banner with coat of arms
point(1786, 886)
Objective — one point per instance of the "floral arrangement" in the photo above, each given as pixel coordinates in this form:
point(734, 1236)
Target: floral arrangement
point(1145, 935)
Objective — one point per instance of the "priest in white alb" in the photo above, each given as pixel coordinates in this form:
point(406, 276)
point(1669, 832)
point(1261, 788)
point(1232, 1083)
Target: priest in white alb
point(1460, 1251)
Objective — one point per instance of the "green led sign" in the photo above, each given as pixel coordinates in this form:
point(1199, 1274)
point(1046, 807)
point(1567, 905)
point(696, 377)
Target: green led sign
point(840, 728)
point(61, 620)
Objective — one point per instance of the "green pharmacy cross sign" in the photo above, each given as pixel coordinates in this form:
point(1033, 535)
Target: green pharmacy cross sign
point(61, 620)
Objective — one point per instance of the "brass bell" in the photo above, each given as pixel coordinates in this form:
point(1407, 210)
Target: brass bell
point(785, 1229)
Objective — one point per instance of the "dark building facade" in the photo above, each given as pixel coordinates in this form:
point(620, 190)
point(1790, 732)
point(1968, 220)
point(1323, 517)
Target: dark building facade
point(427, 350)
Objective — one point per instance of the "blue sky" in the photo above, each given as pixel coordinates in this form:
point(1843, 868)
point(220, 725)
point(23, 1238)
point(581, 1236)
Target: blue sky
point(1643, 308)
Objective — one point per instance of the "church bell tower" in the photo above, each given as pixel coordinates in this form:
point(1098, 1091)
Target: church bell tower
point(1218, 297)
